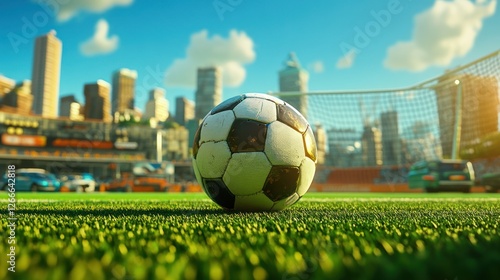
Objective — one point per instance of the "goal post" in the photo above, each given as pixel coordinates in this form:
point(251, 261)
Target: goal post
point(377, 132)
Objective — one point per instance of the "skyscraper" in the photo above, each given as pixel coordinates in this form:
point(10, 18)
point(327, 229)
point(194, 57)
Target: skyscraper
point(97, 103)
point(418, 142)
point(479, 109)
point(184, 110)
point(371, 146)
point(391, 143)
point(293, 79)
point(70, 108)
point(208, 90)
point(344, 147)
point(45, 75)
point(157, 106)
point(19, 100)
point(65, 105)
point(123, 90)
point(6, 85)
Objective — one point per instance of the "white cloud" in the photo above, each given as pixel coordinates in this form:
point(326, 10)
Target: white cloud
point(67, 9)
point(230, 54)
point(317, 66)
point(444, 32)
point(347, 60)
point(100, 43)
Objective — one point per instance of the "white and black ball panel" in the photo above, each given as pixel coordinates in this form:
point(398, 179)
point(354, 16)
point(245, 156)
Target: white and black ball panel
point(219, 193)
point(247, 136)
point(197, 174)
point(285, 202)
point(257, 109)
point(212, 159)
point(291, 117)
point(264, 96)
point(307, 170)
point(196, 142)
point(216, 127)
point(284, 145)
point(255, 202)
point(246, 173)
point(228, 104)
point(310, 144)
point(281, 182)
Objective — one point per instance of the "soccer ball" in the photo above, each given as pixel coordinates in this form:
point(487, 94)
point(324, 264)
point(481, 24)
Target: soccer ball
point(254, 152)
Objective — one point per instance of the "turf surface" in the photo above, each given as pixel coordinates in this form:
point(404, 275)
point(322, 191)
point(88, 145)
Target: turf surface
point(324, 236)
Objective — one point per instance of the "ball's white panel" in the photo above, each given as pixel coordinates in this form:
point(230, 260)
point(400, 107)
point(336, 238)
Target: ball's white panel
point(255, 202)
point(307, 170)
point(264, 96)
point(284, 145)
point(246, 173)
point(197, 173)
point(212, 159)
point(216, 127)
point(257, 109)
point(284, 203)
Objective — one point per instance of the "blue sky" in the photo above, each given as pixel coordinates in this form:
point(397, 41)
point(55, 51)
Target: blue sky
point(344, 45)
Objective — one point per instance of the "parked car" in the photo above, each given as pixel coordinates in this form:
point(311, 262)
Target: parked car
point(83, 182)
point(490, 182)
point(442, 175)
point(33, 180)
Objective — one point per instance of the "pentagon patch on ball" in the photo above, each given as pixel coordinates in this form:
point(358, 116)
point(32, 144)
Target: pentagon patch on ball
point(254, 152)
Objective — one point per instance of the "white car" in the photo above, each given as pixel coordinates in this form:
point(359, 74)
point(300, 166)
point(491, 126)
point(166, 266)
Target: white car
point(79, 182)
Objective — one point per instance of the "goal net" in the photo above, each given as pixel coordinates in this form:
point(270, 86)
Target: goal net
point(373, 137)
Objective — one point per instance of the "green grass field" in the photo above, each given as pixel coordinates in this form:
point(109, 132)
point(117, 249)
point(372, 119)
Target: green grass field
point(186, 236)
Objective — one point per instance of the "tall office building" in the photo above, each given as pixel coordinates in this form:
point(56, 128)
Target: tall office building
point(391, 142)
point(76, 111)
point(208, 90)
point(70, 108)
point(293, 79)
point(65, 105)
point(344, 147)
point(45, 74)
point(97, 101)
point(479, 109)
point(6, 85)
point(419, 142)
point(371, 146)
point(123, 90)
point(184, 110)
point(157, 106)
point(19, 100)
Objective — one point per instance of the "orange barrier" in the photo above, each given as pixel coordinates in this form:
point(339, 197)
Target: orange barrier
point(175, 188)
point(362, 187)
point(355, 175)
point(193, 188)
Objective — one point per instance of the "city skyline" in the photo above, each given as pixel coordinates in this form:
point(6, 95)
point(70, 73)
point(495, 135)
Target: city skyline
point(385, 139)
point(339, 55)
